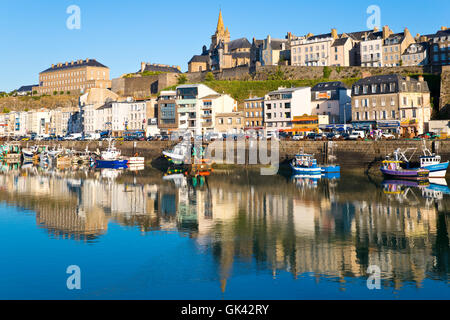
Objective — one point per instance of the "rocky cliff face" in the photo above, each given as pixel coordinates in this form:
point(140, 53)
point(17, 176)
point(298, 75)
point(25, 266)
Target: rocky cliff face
point(30, 103)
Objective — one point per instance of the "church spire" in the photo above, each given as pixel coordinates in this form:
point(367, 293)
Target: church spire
point(220, 25)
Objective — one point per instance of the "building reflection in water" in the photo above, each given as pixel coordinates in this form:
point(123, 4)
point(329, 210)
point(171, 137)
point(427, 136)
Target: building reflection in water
point(334, 229)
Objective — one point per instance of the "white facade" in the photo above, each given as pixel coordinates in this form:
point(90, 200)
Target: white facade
point(311, 52)
point(372, 53)
point(198, 105)
point(281, 106)
point(38, 121)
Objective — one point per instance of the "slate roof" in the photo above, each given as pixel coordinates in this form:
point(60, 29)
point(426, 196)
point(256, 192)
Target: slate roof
point(421, 47)
point(27, 88)
point(411, 85)
point(76, 64)
point(241, 43)
point(326, 86)
point(200, 58)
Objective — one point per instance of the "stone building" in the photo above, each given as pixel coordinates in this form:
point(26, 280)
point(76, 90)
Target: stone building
point(75, 77)
point(440, 47)
point(254, 113)
point(391, 102)
point(416, 55)
point(394, 46)
point(222, 53)
point(270, 52)
point(229, 122)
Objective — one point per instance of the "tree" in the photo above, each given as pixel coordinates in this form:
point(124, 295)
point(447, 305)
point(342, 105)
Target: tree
point(6, 110)
point(55, 93)
point(68, 92)
point(278, 75)
point(182, 79)
point(210, 77)
point(61, 92)
point(326, 72)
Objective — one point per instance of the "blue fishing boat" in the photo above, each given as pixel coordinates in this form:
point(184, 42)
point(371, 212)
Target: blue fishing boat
point(305, 164)
point(111, 158)
point(433, 163)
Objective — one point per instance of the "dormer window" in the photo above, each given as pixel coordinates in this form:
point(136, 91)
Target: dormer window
point(374, 88)
point(392, 87)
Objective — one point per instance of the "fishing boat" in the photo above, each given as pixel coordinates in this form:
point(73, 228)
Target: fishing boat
point(111, 158)
point(393, 168)
point(179, 154)
point(433, 163)
point(330, 169)
point(305, 164)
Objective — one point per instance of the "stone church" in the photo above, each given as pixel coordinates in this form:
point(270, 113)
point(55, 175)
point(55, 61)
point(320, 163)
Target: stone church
point(222, 53)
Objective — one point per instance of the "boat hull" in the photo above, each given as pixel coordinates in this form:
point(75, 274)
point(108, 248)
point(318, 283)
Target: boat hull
point(406, 174)
point(437, 170)
point(111, 163)
point(331, 169)
point(306, 170)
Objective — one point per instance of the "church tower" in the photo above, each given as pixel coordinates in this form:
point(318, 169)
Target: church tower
point(222, 34)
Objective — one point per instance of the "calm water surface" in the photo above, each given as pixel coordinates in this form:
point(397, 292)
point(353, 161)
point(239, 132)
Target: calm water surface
point(139, 235)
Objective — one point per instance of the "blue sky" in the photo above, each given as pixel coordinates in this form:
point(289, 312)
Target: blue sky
point(121, 34)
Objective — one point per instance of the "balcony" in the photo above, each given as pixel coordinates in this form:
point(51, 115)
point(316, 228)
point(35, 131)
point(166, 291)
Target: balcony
point(186, 101)
point(186, 109)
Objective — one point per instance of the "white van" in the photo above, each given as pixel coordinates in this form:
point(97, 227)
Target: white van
point(73, 136)
point(355, 135)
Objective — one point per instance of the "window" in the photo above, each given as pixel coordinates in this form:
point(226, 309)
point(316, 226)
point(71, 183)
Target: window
point(405, 101)
point(220, 120)
point(384, 115)
point(230, 120)
point(357, 115)
point(403, 114)
point(393, 114)
point(414, 113)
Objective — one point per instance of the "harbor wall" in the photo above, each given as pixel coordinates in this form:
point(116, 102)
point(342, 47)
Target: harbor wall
point(349, 154)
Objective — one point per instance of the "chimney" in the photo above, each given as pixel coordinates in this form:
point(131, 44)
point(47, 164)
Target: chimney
point(87, 60)
point(408, 78)
point(421, 79)
point(143, 64)
point(443, 28)
point(386, 32)
point(53, 66)
point(376, 29)
point(334, 33)
point(71, 62)
point(179, 68)
point(67, 64)
point(406, 31)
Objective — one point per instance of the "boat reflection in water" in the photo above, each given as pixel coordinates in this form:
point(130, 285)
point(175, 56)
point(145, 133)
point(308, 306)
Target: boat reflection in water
point(228, 234)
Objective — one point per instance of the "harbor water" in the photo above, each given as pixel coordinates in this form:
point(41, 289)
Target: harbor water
point(230, 235)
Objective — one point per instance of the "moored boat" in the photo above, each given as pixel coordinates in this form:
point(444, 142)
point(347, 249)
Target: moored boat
point(305, 164)
point(433, 163)
point(111, 158)
point(393, 169)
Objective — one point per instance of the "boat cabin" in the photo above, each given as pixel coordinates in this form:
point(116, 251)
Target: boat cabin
point(391, 165)
point(430, 160)
point(305, 160)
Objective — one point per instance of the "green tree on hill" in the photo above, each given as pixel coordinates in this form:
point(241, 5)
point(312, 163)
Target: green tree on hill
point(182, 79)
point(326, 72)
point(209, 77)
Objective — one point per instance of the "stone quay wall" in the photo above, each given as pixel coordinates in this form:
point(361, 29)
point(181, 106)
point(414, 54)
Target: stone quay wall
point(349, 154)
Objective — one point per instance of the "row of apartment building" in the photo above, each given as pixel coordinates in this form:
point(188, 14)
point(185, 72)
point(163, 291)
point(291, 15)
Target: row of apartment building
point(388, 102)
point(369, 48)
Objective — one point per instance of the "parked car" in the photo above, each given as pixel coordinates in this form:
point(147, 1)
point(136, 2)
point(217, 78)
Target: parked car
point(387, 136)
point(333, 136)
point(92, 136)
point(298, 137)
point(355, 135)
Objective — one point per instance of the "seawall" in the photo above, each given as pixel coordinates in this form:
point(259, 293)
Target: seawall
point(349, 154)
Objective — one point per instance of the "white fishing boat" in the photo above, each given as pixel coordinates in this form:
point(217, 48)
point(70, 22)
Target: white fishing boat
point(433, 163)
point(179, 154)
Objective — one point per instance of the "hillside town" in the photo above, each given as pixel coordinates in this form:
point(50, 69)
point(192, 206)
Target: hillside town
point(155, 102)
